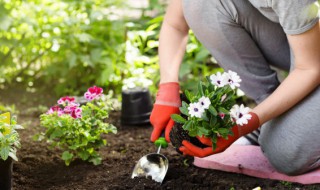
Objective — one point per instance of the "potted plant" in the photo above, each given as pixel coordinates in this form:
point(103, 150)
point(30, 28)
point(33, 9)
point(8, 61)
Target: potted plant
point(78, 129)
point(9, 142)
point(136, 104)
point(211, 111)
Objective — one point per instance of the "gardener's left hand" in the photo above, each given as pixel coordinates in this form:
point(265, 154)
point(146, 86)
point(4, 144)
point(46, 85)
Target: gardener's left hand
point(222, 143)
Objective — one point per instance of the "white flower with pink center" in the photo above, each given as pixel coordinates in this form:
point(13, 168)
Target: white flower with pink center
point(55, 109)
point(93, 93)
point(66, 100)
point(234, 79)
point(219, 80)
point(196, 110)
point(205, 102)
point(240, 114)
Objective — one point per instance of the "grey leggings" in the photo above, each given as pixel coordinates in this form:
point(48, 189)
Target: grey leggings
point(243, 40)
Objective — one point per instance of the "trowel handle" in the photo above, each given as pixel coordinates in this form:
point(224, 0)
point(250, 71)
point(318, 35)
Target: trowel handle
point(161, 141)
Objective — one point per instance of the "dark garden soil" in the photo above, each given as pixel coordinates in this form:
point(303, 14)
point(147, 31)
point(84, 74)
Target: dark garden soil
point(41, 168)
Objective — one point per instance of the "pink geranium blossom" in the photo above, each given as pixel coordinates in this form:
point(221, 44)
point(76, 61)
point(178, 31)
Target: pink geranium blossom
point(55, 109)
point(73, 110)
point(93, 93)
point(76, 113)
point(66, 100)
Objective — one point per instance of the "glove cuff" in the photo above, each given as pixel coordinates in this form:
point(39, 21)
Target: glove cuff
point(168, 94)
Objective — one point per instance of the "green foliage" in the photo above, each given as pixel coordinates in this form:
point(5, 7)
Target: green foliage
point(142, 51)
point(8, 108)
point(9, 138)
point(79, 137)
point(215, 119)
point(68, 44)
point(71, 44)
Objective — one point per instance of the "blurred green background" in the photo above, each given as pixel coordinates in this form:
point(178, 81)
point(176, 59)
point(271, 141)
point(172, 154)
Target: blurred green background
point(70, 45)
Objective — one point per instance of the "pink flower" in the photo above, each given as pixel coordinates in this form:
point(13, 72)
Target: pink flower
point(55, 109)
point(93, 93)
point(66, 100)
point(222, 115)
point(73, 110)
point(70, 108)
point(76, 113)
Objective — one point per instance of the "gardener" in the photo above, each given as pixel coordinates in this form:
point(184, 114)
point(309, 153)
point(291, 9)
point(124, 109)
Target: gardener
point(251, 37)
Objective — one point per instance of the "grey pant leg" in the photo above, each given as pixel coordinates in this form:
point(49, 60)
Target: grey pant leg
point(291, 142)
point(242, 40)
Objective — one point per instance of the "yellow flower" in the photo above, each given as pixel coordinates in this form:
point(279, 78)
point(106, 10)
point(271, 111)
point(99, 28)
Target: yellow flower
point(6, 120)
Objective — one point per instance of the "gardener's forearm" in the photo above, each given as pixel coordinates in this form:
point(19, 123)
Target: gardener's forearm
point(301, 81)
point(295, 87)
point(173, 40)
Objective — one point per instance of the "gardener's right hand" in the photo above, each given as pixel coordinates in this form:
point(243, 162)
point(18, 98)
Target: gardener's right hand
point(190, 149)
point(167, 103)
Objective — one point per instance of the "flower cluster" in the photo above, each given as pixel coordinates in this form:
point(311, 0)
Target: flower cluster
point(9, 137)
point(93, 93)
point(67, 105)
point(230, 78)
point(136, 82)
point(77, 126)
point(198, 108)
point(212, 111)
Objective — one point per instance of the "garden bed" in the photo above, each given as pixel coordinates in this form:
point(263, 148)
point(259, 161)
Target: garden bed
point(42, 168)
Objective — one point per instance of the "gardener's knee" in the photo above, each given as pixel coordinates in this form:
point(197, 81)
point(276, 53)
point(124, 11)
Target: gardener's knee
point(290, 160)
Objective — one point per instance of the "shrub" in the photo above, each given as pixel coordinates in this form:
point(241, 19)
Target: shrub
point(77, 129)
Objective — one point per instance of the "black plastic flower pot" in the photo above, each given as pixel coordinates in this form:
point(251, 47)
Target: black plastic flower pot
point(136, 107)
point(178, 134)
point(6, 174)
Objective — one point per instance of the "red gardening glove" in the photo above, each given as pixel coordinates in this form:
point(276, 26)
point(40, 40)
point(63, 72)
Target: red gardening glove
point(167, 103)
point(222, 144)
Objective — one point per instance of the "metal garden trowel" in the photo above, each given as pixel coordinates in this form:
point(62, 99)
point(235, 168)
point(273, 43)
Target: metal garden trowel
point(154, 165)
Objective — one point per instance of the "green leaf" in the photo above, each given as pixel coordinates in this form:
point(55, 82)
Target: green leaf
point(223, 110)
point(187, 126)
point(177, 118)
point(223, 132)
point(184, 104)
point(202, 54)
point(56, 133)
point(213, 111)
point(66, 156)
point(84, 155)
point(200, 89)
point(4, 152)
point(96, 160)
point(184, 110)
point(213, 120)
point(203, 131)
point(188, 95)
point(205, 117)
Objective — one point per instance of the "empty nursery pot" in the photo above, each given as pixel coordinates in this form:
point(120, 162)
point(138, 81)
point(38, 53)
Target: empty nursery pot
point(178, 134)
point(6, 174)
point(136, 107)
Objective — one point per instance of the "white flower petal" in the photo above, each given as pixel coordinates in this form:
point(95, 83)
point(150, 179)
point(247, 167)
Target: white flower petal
point(205, 102)
point(240, 114)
